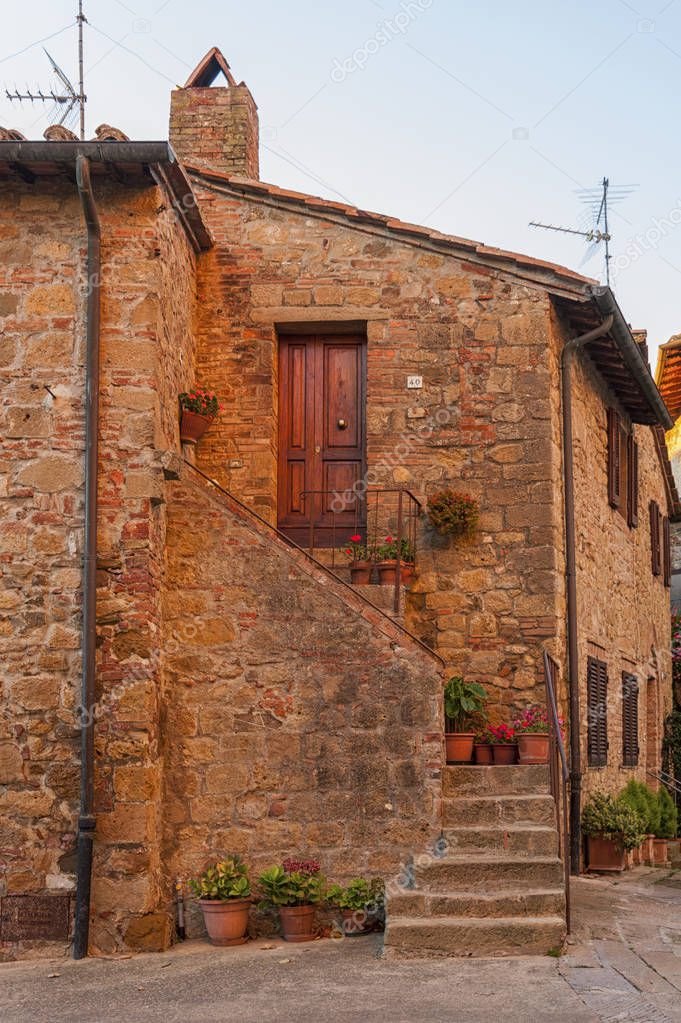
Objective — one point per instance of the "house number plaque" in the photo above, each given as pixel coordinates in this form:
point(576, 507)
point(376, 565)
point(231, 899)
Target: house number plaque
point(34, 918)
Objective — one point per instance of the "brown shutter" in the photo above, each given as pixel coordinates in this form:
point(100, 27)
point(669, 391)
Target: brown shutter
point(630, 749)
point(632, 481)
point(614, 467)
point(597, 712)
point(667, 551)
point(655, 549)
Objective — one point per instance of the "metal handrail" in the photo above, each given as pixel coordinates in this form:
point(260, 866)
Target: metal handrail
point(668, 780)
point(373, 490)
point(560, 794)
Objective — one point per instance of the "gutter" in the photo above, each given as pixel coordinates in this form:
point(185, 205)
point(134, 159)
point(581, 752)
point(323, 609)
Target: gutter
point(86, 819)
point(631, 354)
point(570, 348)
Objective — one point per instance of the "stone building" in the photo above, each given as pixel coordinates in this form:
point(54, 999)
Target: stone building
point(668, 377)
point(246, 698)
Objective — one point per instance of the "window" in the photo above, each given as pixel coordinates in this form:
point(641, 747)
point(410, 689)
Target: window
point(622, 469)
point(655, 538)
point(597, 712)
point(666, 552)
point(629, 720)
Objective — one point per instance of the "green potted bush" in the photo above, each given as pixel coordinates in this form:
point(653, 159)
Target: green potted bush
point(532, 733)
point(223, 892)
point(666, 827)
point(294, 890)
point(452, 513)
point(198, 409)
point(360, 903)
point(612, 827)
point(464, 707)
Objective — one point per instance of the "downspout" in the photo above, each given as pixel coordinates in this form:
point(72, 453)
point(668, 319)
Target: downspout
point(86, 819)
point(569, 348)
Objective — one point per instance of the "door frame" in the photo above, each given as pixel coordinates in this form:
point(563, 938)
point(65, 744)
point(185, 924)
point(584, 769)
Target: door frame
point(350, 332)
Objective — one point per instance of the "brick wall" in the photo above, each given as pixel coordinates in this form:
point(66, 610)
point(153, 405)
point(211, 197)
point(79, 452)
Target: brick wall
point(296, 720)
point(216, 127)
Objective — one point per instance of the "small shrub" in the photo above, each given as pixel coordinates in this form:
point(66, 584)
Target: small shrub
point(615, 819)
point(668, 815)
point(358, 895)
point(453, 513)
point(280, 886)
point(228, 879)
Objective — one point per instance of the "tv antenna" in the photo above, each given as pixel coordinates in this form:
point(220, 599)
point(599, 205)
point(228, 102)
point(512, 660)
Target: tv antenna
point(65, 98)
point(598, 200)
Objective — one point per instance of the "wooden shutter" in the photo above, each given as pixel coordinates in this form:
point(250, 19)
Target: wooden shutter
point(655, 539)
point(667, 551)
point(597, 712)
point(614, 463)
point(629, 720)
point(632, 481)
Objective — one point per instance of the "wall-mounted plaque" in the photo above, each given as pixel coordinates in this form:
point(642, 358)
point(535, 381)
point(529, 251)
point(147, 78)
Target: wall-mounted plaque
point(34, 917)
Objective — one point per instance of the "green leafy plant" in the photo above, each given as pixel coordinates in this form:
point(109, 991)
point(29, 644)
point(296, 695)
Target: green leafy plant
point(453, 513)
point(280, 887)
point(228, 879)
point(668, 815)
point(615, 819)
point(359, 894)
point(464, 704)
point(644, 801)
point(201, 402)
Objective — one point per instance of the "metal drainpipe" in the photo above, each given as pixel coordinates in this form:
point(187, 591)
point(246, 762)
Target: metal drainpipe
point(571, 585)
point(86, 819)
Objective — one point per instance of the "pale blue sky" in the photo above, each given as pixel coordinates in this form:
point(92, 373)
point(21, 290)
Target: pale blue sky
point(472, 118)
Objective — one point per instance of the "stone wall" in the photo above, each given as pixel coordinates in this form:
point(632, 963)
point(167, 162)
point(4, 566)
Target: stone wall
point(481, 423)
point(297, 721)
point(216, 127)
point(623, 610)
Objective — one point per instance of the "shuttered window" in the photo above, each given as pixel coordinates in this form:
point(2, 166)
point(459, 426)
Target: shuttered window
point(655, 538)
point(614, 459)
point(597, 711)
point(629, 720)
point(632, 481)
point(666, 552)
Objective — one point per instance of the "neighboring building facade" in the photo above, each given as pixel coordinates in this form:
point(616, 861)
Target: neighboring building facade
point(247, 700)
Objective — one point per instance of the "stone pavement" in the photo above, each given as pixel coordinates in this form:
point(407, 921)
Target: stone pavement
point(623, 962)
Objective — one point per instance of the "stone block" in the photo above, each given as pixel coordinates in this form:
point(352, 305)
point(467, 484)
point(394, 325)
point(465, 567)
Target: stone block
point(52, 473)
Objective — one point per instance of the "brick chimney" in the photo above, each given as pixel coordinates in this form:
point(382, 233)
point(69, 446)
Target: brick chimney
point(215, 127)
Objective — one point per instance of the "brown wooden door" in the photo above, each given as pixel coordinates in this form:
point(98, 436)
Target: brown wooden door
point(321, 437)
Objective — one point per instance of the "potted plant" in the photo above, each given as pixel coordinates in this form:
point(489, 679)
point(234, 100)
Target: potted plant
point(464, 705)
point(482, 746)
point(361, 564)
point(666, 828)
point(532, 733)
point(504, 746)
point(386, 558)
point(453, 513)
point(407, 559)
point(223, 891)
point(640, 798)
point(294, 889)
point(360, 904)
point(612, 827)
point(198, 410)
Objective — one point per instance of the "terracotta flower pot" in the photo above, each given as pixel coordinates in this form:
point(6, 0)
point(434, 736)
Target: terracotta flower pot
point(483, 753)
point(533, 748)
point(387, 571)
point(504, 752)
point(360, 573)
point(636, 856)
point(407, 574)
point(605, 854)
point(647, 853)
point(660, 852)
point(459, 747)
point(193, 426)
point(297, 923)
point(226, 920)
point(355, 922)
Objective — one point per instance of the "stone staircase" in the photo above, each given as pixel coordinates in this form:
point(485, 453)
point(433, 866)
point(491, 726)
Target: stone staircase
point(495, 886)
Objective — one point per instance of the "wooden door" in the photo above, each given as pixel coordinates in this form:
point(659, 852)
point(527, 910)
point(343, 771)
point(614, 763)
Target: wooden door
point(321, 438)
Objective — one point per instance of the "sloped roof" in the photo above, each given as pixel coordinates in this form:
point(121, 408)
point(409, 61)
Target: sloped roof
point(205, 73)
point(668, 374)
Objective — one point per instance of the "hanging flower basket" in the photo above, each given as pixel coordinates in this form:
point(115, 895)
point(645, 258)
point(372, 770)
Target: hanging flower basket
point(198, 409)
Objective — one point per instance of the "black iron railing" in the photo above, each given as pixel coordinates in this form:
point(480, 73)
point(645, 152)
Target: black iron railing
point(559, 774)
point(382, 519)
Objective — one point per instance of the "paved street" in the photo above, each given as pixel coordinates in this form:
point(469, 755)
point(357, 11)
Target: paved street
point(623, 963)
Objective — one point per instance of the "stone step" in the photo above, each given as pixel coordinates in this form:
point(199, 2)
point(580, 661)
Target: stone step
point(499, 810)
point(473, 936)
point(516, 779)
point(524, 839)
point(488, 873)
point(533, 902)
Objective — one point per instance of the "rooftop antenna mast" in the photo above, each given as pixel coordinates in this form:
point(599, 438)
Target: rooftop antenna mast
point(598, 201)
point(65, 99)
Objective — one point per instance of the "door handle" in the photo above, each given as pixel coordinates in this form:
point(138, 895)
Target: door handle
point(342, 424)
point(317, 449)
